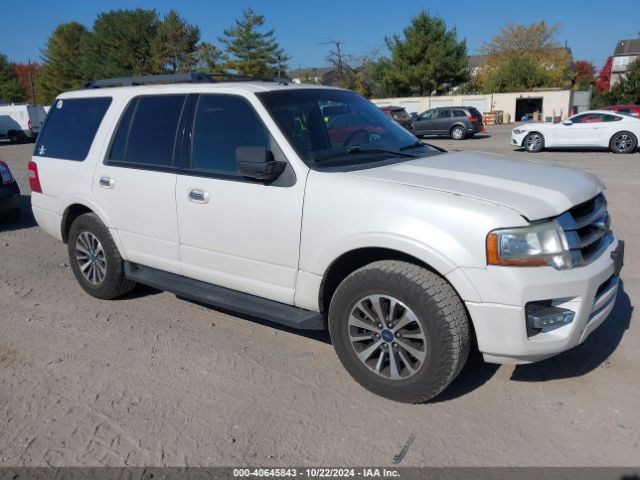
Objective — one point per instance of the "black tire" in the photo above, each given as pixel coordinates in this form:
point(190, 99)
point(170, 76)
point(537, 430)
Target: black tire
point(458, 133)
point(623, 142)
point(114, 283)
point(533, 142)
point(440, 314)
point(13, 137)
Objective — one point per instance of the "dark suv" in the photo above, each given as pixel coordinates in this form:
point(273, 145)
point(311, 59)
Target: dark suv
point(9, 195)
point(399, 114)
point(455, 122)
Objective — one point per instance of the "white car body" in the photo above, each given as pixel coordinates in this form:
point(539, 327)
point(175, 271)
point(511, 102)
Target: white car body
point(24, 119)
point(279, 243)
point(569, 133)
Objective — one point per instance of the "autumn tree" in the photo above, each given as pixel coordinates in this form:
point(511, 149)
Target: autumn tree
point(27, 74)
point(61, 62)
point(251, 51)
point(583, 75)
point(174, 45)
point(519, 52)
point(427, 59)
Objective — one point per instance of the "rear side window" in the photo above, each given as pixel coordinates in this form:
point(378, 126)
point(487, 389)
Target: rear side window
point(475, 112)
point(147, 131)
point(70, 128)
point(459, 113)
point(444, 113)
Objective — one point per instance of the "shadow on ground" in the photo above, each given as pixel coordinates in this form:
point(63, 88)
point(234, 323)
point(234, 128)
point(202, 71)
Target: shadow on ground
point(26, 217)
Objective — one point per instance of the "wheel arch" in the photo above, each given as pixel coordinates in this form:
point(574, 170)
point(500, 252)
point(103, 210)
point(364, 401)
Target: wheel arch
point(352, 260)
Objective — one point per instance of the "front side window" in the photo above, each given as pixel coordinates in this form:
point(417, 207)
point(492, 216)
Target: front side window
point(222, 124)
point(70, 127)
point(428, 115)
point(588, 118)
point(332, 128)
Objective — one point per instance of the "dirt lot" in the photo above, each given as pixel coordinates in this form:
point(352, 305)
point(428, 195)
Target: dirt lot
point(155, 380)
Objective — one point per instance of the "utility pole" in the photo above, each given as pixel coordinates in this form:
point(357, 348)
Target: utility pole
point(33, 93)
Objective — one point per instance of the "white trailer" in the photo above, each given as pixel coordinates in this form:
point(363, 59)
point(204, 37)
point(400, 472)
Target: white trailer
point(21, 123)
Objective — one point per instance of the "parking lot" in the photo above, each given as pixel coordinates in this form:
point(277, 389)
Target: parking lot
point(154, 380)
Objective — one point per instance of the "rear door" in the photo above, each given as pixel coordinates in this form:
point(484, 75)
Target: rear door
point(444, 121)
point(135, 186)
point(235, 232)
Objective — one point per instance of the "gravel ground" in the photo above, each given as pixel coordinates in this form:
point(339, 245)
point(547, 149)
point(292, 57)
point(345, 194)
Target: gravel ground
point(154, 380)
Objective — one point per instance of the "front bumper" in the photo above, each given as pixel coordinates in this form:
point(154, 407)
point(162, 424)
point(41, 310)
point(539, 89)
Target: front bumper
point(517, 138)
point(500, 320)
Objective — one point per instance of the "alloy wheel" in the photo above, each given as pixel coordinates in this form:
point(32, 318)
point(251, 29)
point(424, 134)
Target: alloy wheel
point(533, 142)
point(387, 337)
point(623, 142)
point(91, 258)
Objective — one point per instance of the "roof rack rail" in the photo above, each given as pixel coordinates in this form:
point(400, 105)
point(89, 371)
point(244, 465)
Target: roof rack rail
point(189, 77)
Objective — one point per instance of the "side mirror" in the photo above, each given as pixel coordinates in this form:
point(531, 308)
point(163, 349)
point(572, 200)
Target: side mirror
point(257, 163)
point(567, 122)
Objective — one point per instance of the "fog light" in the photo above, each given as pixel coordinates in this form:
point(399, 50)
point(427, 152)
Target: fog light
point(549, 316)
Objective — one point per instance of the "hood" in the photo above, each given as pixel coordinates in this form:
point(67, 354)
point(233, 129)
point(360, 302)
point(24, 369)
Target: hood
point(533, 189)
point(532, 126)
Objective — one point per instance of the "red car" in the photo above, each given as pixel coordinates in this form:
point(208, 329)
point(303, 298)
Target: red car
point(633, 110)
point(400, 115)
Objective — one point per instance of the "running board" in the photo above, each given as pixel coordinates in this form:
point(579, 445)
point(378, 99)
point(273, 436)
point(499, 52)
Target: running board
point(225, 298)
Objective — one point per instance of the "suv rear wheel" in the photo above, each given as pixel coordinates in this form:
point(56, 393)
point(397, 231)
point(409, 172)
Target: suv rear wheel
point(400, 330)
point(95, 259)
point(457, 133)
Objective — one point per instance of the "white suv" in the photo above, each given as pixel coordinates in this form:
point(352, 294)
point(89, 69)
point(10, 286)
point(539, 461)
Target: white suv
point(308, 207)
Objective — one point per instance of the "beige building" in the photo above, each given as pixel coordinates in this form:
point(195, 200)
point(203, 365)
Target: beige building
point(549, 103)
point(626, 52)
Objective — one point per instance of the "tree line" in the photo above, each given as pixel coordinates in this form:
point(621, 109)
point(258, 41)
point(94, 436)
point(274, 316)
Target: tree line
point(427, 58)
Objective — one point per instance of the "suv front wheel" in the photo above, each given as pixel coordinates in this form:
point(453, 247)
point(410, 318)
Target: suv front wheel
point(95, 260)
point(400, 330)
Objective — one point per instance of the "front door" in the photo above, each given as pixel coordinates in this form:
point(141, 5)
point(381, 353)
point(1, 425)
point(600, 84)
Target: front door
point(583, 130)
point(235, 232)
point(425, 123)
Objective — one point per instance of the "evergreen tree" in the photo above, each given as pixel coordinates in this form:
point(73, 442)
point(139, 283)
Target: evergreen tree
point(10, 88)
point(61, 62)
point(250, 51)
point(429, 59)
point(120, 44)
point(174, 47)
point(210, 59)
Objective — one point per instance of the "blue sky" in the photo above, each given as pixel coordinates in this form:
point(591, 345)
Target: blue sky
point(590, 28)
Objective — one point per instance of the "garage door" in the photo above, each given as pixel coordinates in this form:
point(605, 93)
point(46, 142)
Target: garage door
point(479, 103)
point(411, 106)
point(440, 103)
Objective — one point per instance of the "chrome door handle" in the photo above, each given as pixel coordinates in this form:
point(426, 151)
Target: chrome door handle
point(106, 182)
point(199, 196)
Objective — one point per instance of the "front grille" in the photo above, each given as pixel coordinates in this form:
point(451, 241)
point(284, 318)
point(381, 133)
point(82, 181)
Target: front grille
point(586, 227)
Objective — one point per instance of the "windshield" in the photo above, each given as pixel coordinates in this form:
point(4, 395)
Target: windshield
point(337, 128)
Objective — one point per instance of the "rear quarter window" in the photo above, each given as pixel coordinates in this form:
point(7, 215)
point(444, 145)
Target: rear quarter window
point(70, 128)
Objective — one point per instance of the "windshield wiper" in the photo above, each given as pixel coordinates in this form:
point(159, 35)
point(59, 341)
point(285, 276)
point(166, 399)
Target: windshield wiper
point(359, 150)
point(415, 144)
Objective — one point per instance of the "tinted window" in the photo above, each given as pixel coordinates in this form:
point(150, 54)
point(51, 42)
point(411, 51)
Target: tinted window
point(475, 112)
point(122, 134)
point(589, 118)
point(71, 127)
point(323, 143)
point(459, 113)
point(444, 113)
point(150, 138)
point(222, 124)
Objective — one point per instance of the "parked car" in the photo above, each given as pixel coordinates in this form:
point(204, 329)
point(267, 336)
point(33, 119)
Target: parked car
point(21, 123)
point(235, 195)
point(633, 110)
point(595, 128)
point(400, 115)
point(455, 122)
point(9, 195)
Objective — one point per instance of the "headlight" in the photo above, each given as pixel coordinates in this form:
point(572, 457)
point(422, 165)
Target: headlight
point(535, 245)
point(518, 131)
